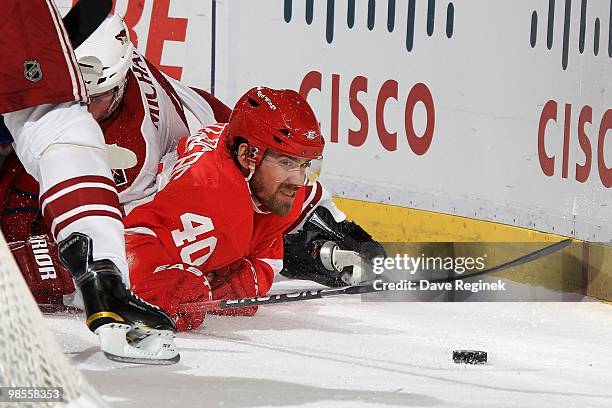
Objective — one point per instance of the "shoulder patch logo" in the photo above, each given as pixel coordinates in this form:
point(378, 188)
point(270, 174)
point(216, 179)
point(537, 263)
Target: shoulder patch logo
point(122, 36)
point(119, 177)
point(32, 70)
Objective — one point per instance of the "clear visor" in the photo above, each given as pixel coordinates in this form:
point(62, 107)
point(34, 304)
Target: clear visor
point(300, 171)
point(104, 104)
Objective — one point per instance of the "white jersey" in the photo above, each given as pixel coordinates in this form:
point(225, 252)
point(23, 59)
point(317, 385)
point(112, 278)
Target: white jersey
point(146, 127)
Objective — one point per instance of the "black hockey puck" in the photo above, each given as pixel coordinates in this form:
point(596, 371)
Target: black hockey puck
point(469, 357)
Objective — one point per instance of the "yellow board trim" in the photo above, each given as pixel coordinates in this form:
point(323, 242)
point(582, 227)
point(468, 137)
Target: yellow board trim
point(582, 267)
point(390, 223)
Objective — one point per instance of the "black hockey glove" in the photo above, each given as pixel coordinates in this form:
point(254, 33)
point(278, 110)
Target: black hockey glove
point(302, 258)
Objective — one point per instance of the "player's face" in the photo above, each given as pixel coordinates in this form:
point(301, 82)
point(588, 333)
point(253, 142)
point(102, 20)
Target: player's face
point(103, 104)
point(277, 180)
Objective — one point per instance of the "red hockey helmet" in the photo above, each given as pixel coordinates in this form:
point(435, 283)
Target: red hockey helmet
point(277, 119)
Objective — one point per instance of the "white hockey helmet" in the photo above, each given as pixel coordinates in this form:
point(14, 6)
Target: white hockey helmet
point(106, 56)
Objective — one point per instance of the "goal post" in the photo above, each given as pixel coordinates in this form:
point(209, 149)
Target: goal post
point(33, 368)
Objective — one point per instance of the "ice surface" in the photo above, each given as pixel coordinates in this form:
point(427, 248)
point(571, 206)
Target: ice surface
point(341, 352)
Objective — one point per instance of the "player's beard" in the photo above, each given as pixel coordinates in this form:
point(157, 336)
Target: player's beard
point(277, 202)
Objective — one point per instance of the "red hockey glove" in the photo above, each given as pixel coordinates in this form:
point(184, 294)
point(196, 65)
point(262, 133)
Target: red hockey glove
point(170, 286)
point(237, 280)
point(46, 277)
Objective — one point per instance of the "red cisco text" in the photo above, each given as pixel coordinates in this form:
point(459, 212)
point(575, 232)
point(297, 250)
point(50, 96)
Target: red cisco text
point(388, 90)
point(162, 28)
point(547, 162)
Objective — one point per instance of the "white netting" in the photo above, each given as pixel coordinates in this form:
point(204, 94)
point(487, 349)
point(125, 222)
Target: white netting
point(29, 354)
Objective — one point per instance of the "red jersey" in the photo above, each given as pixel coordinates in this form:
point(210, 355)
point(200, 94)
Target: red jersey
point(38, 64)
point(205, 217)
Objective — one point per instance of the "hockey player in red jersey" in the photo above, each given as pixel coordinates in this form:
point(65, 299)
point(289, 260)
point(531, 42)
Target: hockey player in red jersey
point(216, 229)
point(42, 98)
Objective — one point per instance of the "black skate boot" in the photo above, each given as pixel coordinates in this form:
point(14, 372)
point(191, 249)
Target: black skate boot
point(130, 329)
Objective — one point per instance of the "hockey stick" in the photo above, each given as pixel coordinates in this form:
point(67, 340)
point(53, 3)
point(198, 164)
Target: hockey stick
point(84, 18)
point(362, 288)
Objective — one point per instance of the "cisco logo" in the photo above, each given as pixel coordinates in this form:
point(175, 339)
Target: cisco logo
point(371, 17)
point(585, 30)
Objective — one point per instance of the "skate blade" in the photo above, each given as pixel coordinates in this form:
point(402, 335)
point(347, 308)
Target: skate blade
point(136, 360)
point(150, 347)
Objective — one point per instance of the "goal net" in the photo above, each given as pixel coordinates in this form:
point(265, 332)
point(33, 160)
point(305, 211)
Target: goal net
point(32, 364)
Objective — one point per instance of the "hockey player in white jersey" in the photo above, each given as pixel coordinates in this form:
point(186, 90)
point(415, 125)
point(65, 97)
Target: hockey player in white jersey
point(144, 110)
point(143, 113)
point(156, 111)
point(42, 98)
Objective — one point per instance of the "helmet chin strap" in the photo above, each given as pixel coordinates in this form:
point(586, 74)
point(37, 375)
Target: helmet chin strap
point(258, 207)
